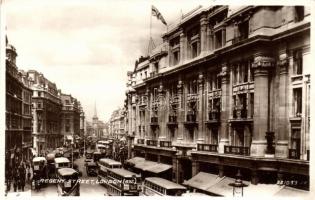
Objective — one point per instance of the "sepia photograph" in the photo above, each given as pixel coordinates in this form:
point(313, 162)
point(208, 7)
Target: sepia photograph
point(194, 98)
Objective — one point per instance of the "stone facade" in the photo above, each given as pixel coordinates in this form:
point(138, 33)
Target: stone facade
point(70, 118)
point(228, 89)
point(46, 111)
point(117, 123)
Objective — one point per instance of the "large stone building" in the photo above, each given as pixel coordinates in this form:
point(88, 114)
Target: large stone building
point(70, 119)
point(117, 123)
point(46, 110)
point(18, 132)
point(227, 90)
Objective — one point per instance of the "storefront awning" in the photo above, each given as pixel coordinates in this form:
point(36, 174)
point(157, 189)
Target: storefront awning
point(203, 181)
point(292, 192)
point(150, 166)
point(135, 160)
point(222, 188)
point(159, 167)
point(145, 165)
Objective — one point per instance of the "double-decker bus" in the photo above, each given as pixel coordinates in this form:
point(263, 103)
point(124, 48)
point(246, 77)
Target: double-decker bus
point(121, 182)
point(155, 186)
point(104, 165)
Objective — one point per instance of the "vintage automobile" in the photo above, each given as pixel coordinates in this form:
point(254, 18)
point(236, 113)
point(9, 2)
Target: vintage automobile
point(61, 162)
point(68, 184)
point(89, 156)
point(40, 172)
point(91, 168)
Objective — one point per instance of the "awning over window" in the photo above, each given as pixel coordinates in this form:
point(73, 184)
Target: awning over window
point(223, 188)
point(292, 192)
point(203, 181)
point(135, 160)
point(159, 167)
point(150, 166)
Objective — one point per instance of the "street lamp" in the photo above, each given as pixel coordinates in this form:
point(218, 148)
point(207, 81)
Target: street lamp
point(238, 185)
point(72, 152)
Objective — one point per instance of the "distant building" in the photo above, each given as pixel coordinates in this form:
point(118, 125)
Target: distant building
point(46, 110)
point(117, 123)
point(96, 128)
point(82, 122)
point(70, 119)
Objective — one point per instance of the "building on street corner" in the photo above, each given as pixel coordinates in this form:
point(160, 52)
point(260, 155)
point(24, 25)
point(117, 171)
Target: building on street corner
point(46, 110)
point(70, 119)
point(228, 90)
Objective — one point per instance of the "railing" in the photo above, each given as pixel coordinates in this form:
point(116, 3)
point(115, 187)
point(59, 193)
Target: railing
point(238, 39)
point(294, 154)
point(239, 113)
point(192, 97)
point(174, 99)
point(140, 141)
point(154, 120)
point(238, 150)
point(152, 143)
point(191, 118)
point(214, 115)
point(172, 119)
point(167, 144)
point(207, 147)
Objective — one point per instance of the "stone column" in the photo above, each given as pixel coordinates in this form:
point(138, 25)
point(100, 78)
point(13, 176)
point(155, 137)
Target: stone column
point(221, 170)
point(225, 108)
point(210, 39)
point(183, 46)
point(201, 110)
point(203, 34)
point(162, 113)
point(181, 111)
point(176, 167)
point(282, 108)
point(261, 65)
point(195, 168)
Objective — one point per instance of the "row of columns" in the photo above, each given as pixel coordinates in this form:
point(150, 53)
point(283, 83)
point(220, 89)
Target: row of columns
point(262, 66)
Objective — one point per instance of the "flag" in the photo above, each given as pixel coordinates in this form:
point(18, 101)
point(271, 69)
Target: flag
point(157, 14)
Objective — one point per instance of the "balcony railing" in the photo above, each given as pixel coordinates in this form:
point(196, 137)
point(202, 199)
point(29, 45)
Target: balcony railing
point(172, 119)
point(238, 39)
point(207, 147)
point(167, 144)
point(174, 99)
point(240, 113)
point(140, 141)
point(152, 142)
point(191, 118)
point(214, 115)
point(294, 154)
point(237, 150)
point(192, 97)
point(154, 119)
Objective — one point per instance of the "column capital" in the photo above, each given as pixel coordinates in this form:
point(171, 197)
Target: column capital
point(262, 61)
point(283, 63)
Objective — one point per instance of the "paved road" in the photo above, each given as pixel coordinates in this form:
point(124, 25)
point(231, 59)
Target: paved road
point(88, 186)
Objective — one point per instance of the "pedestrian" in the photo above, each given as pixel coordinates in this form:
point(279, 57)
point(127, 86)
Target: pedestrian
point(16, 184)
point(22, 174)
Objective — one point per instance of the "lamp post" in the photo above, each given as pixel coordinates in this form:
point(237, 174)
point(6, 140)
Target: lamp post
point(72, 150)
point(238, 185)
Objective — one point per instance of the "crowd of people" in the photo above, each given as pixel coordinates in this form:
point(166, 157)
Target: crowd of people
point(18, 172)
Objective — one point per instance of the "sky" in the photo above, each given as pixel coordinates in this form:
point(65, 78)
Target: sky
point(87, 47)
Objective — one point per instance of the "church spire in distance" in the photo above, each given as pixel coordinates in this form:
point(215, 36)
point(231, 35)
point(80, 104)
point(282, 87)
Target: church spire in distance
point(95, 111)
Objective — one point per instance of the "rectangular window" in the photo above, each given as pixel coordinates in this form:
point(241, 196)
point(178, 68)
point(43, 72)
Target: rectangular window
point(194, 50)
point(299, 13)
point(298, 62)
point(252, 105)
point(297, 95)
point(218, 39)
point(175, 57)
